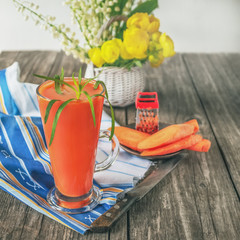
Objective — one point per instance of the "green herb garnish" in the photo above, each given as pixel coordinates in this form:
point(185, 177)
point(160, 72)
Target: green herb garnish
point(59, 82)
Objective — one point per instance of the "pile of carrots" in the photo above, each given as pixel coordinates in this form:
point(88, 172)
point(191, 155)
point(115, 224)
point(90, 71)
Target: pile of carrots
point(167, 140)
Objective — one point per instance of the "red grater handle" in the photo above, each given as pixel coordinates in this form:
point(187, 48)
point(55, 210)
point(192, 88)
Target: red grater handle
point(147, 100)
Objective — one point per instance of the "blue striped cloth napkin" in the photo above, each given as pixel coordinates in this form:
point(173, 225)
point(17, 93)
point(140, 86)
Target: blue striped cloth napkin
point(25, 169)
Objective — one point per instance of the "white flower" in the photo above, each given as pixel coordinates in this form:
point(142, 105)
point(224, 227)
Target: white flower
point(116, 23)
point(22, 9)
point(89, 16)
point(52, 19)
point(56, 35)
point(62, 26)
point(117, 9)
point(109, 10)
point(128, 5)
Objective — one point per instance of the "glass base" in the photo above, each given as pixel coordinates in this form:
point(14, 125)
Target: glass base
point(72, 205)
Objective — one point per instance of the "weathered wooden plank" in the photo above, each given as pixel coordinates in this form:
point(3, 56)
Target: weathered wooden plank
point(13, 213)
point(68, 63)
point(120, 229)
point(120, 115)
point(217, 80)
point(233, 63)
point(7, 59)
point(31, 62)
point(197, 200)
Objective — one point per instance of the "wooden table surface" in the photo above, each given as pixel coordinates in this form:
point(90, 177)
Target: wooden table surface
point(197, 200)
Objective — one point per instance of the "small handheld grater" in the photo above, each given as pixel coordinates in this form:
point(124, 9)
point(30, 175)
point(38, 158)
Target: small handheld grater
point(147, 112)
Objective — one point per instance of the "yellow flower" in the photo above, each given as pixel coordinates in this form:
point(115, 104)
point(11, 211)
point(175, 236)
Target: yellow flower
point(154, 46)
point(155, 61)
point(95, 56)
point(136, 42)
point(117, 41)
point(154, 24)
point(110, 50)
point(155, 36)
point(167, 44)
point(139, 20)
point(124, 53)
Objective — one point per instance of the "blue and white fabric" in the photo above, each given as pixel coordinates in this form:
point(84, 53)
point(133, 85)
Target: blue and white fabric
point(25, 168)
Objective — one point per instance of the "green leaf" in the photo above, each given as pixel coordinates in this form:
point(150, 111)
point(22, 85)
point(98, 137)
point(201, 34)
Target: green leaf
point(56, 80)
point(49, 106)
point(112, 114)
point(138, 63)
point(86, 83)
point(113, 120)
point(58, 84)
point(121, 4)
point(45, 77)
point(62, 74)
point(91, 106)
point(57, 115)
point(145, 7)
point(74, 81)
point(79, 82)
point(104, 86)
point(98, 74)
point(96, 85)
point(111, 108)
point(80, 76)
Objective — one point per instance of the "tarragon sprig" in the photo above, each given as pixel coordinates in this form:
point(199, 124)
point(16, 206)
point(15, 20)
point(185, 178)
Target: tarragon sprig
point(59, 82)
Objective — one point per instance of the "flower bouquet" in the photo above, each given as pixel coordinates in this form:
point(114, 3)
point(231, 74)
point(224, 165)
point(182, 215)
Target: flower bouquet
point(119, 37)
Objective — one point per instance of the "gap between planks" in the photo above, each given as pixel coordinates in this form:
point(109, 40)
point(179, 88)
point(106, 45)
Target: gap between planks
point(210, 124)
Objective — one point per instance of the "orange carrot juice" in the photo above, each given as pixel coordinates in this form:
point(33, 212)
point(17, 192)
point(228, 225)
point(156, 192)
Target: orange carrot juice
point(73, 150)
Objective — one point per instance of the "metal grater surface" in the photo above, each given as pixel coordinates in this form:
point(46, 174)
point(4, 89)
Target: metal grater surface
point(147, 112)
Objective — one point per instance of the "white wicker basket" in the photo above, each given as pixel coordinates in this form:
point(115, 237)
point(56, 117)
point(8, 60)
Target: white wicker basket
point(122, 84)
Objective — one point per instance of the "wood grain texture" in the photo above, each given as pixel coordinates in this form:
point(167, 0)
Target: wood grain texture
point(7, 59)
point(199, 199)
point(13, 221)
point(69, 64)
point(193, 202)
point(217, 81)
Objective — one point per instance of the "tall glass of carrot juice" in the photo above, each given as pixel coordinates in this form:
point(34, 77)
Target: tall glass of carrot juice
point(73, 149)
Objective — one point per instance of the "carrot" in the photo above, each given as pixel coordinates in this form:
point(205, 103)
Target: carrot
point(129, 137)
point(166, 136)
point(194, 123)
point(202, 146)
point(174, 147)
